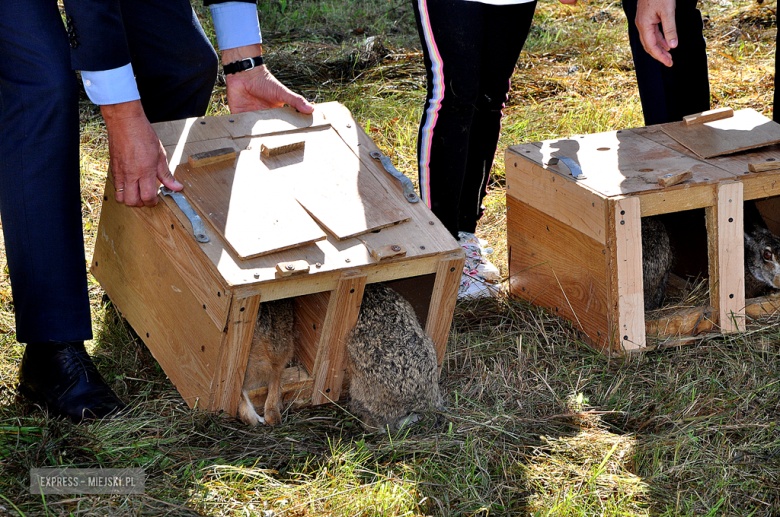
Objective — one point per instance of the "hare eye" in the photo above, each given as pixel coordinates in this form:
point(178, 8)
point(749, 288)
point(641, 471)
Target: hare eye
point(767, 254)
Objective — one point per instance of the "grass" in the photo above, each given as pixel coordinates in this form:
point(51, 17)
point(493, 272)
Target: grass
point(537, 423)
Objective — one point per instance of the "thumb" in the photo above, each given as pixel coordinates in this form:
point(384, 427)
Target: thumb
point(298, 102)
point(165, 176)
point(669, 28)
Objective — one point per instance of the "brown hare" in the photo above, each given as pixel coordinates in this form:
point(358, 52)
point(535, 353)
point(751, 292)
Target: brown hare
point(273, 345)
point(762, 250)
point(392, 360)
point(656, 261)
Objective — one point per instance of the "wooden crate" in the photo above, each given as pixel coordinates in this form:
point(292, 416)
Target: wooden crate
point(195, 304)
point(575, 245)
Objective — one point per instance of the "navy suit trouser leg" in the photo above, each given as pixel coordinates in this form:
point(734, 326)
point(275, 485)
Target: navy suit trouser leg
point(40, 201)
point(670, 93)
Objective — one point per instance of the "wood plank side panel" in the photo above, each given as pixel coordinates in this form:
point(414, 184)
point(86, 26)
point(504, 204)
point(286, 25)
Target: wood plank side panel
point(627, 250)
point(341, 317)
point(443, 299)
point(234, 355)
point(145, 286)
point(725, 225)
point(556, 266)
point(310, 312)
point(552, 194)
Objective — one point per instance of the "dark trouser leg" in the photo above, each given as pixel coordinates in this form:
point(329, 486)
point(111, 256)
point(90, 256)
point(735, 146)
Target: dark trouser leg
point(505, 30)
point(451, 52)
point(40, 201)
point(776, 99)
point(670, 93)
point(174, 63)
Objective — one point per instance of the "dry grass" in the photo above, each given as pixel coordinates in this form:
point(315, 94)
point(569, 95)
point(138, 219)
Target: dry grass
point(537, 423)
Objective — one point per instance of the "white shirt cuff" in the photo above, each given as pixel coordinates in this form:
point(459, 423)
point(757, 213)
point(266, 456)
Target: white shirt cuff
point(236, 24)
point(111, 86)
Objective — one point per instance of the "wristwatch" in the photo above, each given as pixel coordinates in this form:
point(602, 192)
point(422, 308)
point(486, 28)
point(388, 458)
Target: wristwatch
point(243, 65)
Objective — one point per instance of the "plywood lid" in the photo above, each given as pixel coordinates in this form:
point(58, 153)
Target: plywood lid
point(619, 163)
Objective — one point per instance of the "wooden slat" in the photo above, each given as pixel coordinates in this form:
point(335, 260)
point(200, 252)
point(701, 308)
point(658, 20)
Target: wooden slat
point(708, 116)
point(234, 355)
point(222, 154)
point(553, 265)
point(688, 321)
point(178, 154)
point(725, 245)
point(747, 129)
point(762, 306)
point(673, 178)
point(626, 246)
point(340, 319)
point(253, 211)
point(768, 165)
point(144, 284)
point(443, 299)
point(552, 194)
point(296, 388)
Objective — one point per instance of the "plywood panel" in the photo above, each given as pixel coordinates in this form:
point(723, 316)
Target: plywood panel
point(622, 162)
point(280, 120)
point(149, 292)
point(333, 185)
point(747, 129)
point(565, 200)
point(310, 312)
point(250, 208)
point(185, 131)
point(555, 266)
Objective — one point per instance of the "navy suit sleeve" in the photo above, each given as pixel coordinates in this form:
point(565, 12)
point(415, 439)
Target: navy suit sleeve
point(97, 32)
point(210, 2)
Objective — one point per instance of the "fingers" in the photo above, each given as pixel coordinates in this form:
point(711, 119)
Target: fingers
point(651, 13)
point(300, 103)
point(164, 173)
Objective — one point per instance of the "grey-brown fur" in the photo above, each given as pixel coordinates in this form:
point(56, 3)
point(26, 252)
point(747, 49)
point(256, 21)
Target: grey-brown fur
point(392, 361)
point(762, 249)
point(656, 261)
point(273, 345)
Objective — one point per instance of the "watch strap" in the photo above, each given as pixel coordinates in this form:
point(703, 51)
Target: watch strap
point(242, 65)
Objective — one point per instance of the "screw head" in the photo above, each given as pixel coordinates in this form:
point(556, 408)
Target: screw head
point(289, 267)
point(349, 125)
point(431, 223)
point(395, 247)
point(318, 265)
point(422, 247)
point(347, 260)
point(257, 275)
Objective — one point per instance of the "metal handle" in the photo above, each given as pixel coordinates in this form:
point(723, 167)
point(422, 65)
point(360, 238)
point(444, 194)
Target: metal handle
point(198, 228)
point(573, 166)
point(409, 192)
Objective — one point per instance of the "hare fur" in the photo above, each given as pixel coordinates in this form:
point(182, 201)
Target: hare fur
point(762, 249)
point(273, 345)
point(656, 261)
point(393, 364)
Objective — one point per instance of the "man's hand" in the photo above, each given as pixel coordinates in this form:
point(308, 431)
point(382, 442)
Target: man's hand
point(649, 14)
point(257, 89)
point(137, 156)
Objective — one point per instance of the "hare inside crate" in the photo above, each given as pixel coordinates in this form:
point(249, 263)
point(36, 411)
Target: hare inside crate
point(393, 364)
point(273, 345)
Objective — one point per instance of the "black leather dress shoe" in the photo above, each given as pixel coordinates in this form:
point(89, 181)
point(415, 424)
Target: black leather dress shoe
point(62, 377)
